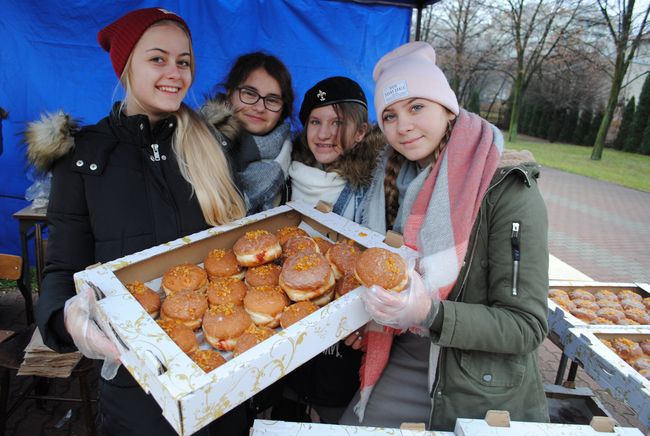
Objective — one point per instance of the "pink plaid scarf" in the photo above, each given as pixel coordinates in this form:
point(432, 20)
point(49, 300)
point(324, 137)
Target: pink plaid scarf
point(439, 225)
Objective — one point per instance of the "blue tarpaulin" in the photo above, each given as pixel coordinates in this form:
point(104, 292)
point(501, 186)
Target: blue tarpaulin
point(50, 59)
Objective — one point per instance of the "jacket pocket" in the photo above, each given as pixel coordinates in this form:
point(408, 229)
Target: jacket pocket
point(493, 369)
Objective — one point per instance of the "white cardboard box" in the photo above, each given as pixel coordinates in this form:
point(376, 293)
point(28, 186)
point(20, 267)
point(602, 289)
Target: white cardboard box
point(559, 270)
point(464, 427)
point(190, 398)
point(263, 427)
point(610, 371)
point(474, 427)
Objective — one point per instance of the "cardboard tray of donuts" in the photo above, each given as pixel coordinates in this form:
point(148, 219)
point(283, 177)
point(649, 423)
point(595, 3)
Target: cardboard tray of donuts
point(594, 305)
point(178, 311)
point(618, 359)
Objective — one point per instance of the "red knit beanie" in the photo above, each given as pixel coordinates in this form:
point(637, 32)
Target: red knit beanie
point(119, 37)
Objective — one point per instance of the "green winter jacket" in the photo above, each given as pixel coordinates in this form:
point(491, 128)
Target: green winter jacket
point(489, 336)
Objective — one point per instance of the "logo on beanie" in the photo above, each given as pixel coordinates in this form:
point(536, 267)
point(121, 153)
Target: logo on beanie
point(396, 91)
point(321, 95)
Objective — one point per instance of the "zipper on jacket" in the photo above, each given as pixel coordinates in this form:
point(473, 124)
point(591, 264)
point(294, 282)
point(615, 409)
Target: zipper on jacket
point(156, 154)
point(478, 228)
point(436, 382)
point(516, 256)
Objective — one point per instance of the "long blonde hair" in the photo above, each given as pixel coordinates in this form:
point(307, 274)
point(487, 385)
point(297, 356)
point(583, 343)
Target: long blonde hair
point(200, 158)
point(204, 165)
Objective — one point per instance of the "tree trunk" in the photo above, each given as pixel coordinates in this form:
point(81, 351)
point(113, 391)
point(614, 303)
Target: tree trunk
point(619, 74)
point(514, 110)
point(623, 60)
point(597, 152)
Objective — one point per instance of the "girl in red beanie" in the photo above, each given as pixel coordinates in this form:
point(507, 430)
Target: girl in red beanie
point(463, 338)
point(150, 172)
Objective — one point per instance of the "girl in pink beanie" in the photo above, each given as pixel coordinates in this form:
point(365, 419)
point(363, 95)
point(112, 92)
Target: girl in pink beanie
point(463, 338)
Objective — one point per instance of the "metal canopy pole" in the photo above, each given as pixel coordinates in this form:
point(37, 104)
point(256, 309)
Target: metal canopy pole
point(419, 20)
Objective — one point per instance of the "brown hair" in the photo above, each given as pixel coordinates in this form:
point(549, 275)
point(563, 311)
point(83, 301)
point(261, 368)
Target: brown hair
point(246, 64)
point(395, 162)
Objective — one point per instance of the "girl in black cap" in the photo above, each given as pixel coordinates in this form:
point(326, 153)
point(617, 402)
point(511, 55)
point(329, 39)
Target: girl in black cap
point(334, 159)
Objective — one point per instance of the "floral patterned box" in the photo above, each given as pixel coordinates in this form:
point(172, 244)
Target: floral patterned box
point(263, 427)
point(189, 397)
point(467, 427)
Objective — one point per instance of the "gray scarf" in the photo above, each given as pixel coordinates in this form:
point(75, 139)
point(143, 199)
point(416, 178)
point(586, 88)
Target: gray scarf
point(270, 144)
point(409, 181)
point(262, 179)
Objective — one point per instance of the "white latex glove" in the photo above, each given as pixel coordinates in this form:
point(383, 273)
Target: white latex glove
point(414, 308)
point(89, 339)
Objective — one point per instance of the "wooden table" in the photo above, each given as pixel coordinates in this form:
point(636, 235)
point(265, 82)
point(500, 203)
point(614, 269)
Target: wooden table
point(31, 223)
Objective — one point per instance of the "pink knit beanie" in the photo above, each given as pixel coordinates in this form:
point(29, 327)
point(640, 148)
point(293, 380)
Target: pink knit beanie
point(410, 71)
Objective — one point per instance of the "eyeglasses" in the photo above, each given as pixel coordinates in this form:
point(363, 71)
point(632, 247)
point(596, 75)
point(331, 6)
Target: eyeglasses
point(271, 102)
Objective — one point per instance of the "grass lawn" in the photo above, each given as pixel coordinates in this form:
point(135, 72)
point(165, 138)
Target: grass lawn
point(626, 169)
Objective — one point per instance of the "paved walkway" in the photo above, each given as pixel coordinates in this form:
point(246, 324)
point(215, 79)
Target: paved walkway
point(599, 228)
point(602, 230)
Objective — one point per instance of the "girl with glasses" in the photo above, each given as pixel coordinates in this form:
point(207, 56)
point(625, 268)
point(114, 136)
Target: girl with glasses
point(253, 111)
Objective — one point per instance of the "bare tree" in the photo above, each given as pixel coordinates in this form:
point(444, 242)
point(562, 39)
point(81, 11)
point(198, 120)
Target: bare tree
point(466, 46)
point(536, 28)
point(573, 76)
point(620, 26)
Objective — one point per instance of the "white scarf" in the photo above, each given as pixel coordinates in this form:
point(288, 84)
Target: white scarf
point(310, 184)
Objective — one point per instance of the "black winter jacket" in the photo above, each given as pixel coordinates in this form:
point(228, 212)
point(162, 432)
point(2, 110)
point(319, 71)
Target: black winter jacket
point(117, 192)
point(116, 189)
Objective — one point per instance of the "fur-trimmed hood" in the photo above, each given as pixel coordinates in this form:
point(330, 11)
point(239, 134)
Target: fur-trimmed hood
point(49, 139)
point(519, 162)
point(219, 114)
point(52, 137)
point(355, 166)
point(511, 158)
